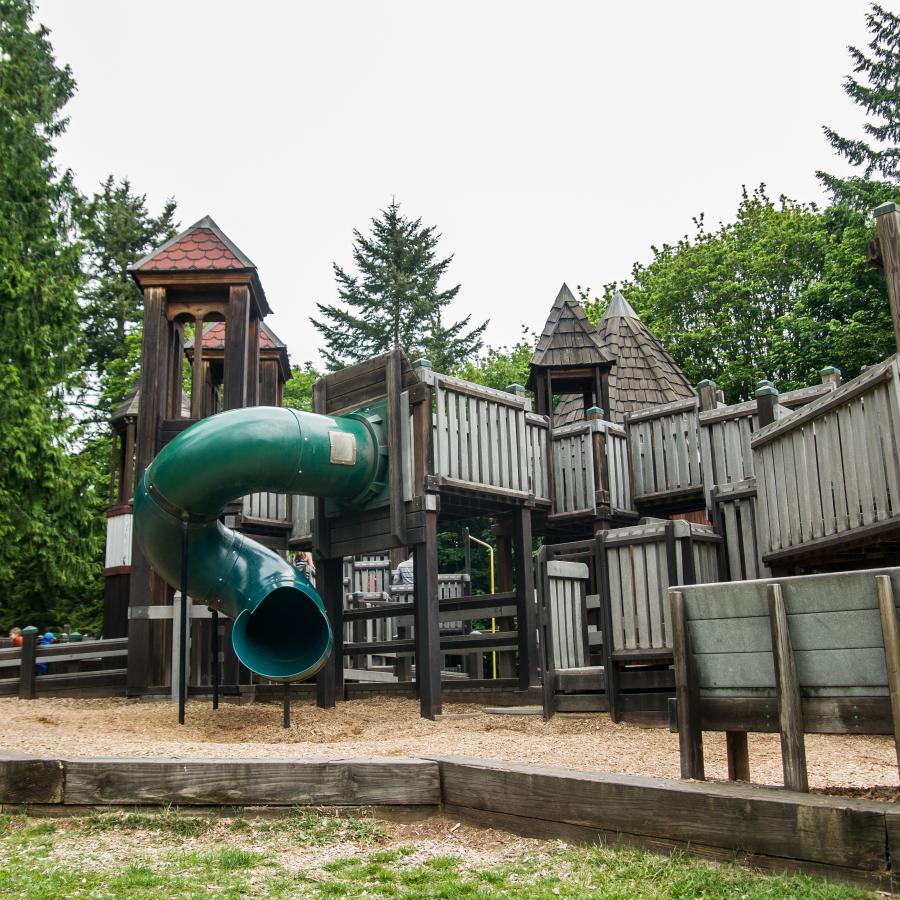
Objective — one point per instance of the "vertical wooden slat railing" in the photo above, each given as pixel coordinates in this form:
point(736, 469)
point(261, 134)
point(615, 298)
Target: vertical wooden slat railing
point(832, 466)
point(664, 445)
point(485, 440)
point(582, 481)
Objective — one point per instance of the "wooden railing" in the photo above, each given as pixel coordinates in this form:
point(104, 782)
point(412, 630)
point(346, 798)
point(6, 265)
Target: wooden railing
point(480, 439)
point(642, 562)
point(77, 668)
point(537, 448)
point(831, 467)
point(590, 467)
point(267, 507)
point(664, 445)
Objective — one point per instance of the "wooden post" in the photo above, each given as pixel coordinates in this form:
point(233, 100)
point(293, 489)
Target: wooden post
point(526, 615)
point(891, 636)
point(609, 665)
point(690, 735)
point(548, 675)
point(598, 452)
point(831, 375)
point(790, 715)
point(185, 621)
point(286, 705)
point(252, 362)
point(27, 664)
point(504, 581)
point(215, 659)
point(427, 623)
point(394, 384)
point(236, 334)
point(321, 533)
point(140, 591)
point(127, 487)
point(198, 386)
point(738, 755)
point(887, 225)
point(766, 400)
point(330, 584)
point(707, 391)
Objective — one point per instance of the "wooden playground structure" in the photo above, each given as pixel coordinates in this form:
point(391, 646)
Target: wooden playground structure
point(634, 480)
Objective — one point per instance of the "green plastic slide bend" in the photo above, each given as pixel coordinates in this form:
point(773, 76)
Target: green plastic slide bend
point(280, 631)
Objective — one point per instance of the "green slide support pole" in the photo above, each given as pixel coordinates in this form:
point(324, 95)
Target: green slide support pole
point(281, 631)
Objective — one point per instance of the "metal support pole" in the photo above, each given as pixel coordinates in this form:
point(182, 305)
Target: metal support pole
point(182, 638)
point(286, 700)
point(215, 658)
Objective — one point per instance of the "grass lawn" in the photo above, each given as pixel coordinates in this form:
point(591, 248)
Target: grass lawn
point(319, 854)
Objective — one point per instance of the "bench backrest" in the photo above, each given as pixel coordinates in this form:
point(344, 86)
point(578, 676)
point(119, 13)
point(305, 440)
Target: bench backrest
point(835, 630)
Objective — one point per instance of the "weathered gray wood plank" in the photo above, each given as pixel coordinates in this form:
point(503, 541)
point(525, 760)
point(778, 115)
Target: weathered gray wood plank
point(257, 781)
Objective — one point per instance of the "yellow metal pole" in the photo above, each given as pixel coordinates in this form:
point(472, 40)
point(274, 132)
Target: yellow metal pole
point(490, 551)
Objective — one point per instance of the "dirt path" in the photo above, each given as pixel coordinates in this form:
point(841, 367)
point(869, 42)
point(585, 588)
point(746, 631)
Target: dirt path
point(392, 727)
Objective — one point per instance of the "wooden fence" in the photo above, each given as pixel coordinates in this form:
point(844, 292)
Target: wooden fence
point(642, 561)
point(268, 507)
point(78, 668)
point(587, 458)
point(831, 467)
point(734, 515)
point(664, 446)
point(480, 440)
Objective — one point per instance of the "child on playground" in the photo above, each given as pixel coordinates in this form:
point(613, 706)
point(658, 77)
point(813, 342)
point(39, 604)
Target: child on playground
point(15, 635)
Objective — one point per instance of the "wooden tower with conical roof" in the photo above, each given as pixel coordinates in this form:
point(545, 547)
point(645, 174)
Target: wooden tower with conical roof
point(569, 358)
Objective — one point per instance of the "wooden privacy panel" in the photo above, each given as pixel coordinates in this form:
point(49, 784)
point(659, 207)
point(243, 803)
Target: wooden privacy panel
point(481, 436)
point(567, 610)
point(734, 512)
point(577, 472)
point(267, 506)
point(665, 447)
point(725, 452)
point(642, 561)
point(573, 470)
point(833, 466)
point(537, 438)
point(835, 630)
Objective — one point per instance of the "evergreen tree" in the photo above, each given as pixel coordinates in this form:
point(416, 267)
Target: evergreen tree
point(878, 93)
point(395, 299)
point(117, 230)
point(50, 542)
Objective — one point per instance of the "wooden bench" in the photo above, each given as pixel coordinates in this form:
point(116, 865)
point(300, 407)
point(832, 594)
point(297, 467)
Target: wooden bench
point(815, 654)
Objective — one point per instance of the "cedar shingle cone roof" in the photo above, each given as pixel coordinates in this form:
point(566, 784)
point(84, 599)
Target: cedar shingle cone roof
point(568, 338)
point(643, 374)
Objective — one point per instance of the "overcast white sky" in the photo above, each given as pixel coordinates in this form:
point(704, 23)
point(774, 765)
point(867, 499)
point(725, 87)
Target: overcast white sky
point(548, 142)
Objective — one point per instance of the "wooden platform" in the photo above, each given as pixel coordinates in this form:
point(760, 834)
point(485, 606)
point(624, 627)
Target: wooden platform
point(833, 837)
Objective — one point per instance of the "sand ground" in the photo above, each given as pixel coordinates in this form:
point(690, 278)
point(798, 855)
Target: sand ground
point(392, 727)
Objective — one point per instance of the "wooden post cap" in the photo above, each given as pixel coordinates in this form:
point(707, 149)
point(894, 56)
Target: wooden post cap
point(422, 363)
point(706, 383)
point(766, 389)
point(29, 629)
point(517, 389)
point(885, 208)
point(830, 370)
point(594, 412)
point(75, 636)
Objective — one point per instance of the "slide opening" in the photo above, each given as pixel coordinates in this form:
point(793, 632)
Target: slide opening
point(286, 636)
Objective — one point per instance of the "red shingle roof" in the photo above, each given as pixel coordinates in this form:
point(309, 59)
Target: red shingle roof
point(199, 249)
point(214, 337)
point(202, 247)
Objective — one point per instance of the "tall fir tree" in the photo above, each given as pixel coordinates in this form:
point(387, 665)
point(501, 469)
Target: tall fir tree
point(877, 155)
point(395, 299)
point(117, 230)
point(50, 541)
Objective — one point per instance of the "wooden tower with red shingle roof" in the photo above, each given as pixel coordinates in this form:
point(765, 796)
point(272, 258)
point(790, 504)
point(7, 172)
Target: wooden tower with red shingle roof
point(200, 278)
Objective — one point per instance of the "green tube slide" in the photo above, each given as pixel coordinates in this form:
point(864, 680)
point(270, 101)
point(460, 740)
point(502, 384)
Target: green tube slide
point(280, 631)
